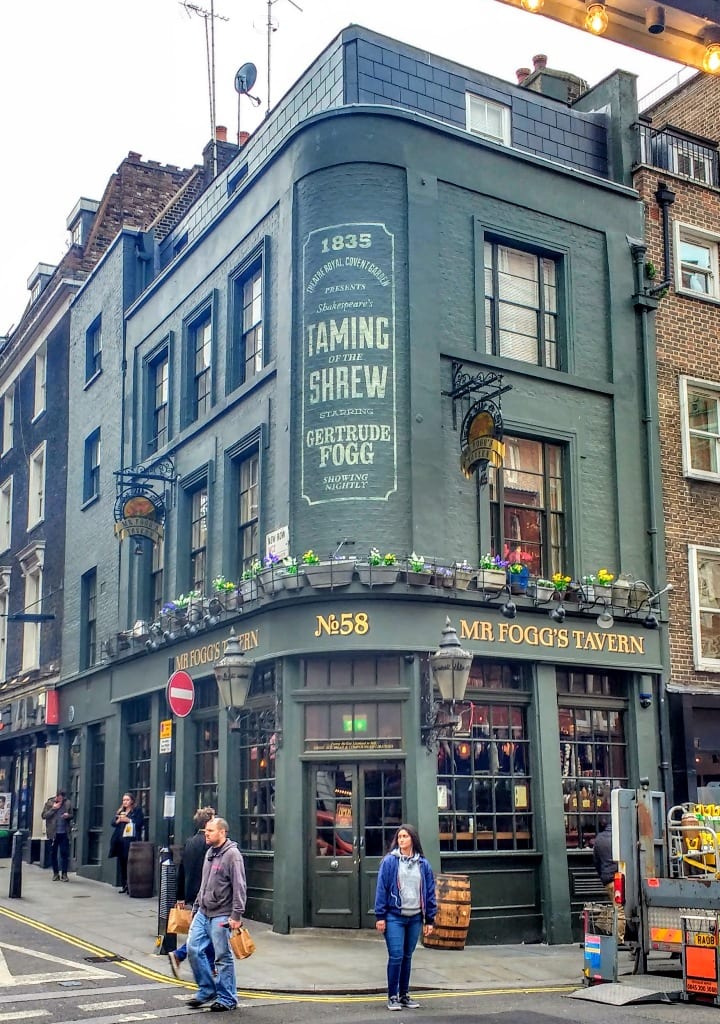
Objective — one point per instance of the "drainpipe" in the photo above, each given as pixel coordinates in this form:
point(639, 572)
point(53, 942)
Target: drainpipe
point(644, 305)
point(665, 198)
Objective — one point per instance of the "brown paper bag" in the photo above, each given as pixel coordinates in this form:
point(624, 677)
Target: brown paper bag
point(241, 943)
point(179, 920)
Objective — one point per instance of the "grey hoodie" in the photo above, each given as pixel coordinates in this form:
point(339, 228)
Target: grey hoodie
point(223, 888)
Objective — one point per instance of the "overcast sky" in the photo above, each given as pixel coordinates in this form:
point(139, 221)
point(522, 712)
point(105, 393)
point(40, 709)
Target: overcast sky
point(83, 82)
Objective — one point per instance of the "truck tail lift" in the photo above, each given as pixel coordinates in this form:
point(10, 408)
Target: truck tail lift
point(670, 868)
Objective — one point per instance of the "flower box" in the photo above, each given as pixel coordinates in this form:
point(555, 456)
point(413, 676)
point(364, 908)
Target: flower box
point(418, 579)
point(329, 574)
point(249, 589)
point(271, 579)
point(621, 593)
point(518, 581)
point(294, 580)
point(443, 577)
point(542, 591)
point(464, 577)
point(491, 581)
point(377, 575)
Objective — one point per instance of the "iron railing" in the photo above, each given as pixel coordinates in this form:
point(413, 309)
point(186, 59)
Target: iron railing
point(669, 152)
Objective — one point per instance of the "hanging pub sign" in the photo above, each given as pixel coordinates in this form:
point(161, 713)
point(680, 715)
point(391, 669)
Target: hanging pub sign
point(139, 512)
point(481, 443)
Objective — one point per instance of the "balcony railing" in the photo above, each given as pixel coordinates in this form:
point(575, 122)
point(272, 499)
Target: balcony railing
point(682, 156)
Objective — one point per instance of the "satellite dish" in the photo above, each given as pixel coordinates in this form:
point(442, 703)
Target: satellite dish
point(245, 79)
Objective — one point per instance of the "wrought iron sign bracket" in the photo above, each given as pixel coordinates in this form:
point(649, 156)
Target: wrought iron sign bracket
point(487, 385)
point(141, 476)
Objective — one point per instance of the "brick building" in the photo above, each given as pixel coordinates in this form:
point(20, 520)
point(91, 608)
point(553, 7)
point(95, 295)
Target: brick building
point(34, 361)
point(679, 182)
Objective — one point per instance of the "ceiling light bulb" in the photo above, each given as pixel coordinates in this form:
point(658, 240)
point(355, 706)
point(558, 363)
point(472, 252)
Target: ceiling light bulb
point(711, 59)
point(596, 19)
point(532, 5)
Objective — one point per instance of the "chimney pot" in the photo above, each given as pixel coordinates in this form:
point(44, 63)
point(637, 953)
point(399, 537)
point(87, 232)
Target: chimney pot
point(522, 74)
point(242, 138)
point(539, 61)
point(221, 133)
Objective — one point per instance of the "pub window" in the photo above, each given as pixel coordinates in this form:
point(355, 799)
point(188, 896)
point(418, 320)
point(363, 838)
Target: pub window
point(139, 760)
point(344, 674)
point(157, 573)
point(96, 811)
point(593, 749)
point(206, 762)
point(198, 537)
point(527, 507)
point(483, 780)
point(248, 511)
point(258, 747)
point(362, 726)
point(521, 305)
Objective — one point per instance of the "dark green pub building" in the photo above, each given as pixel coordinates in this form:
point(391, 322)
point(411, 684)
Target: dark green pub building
point(290, 385)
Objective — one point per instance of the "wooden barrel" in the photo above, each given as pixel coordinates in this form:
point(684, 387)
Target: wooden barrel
point(453, 914)
point(141, 869)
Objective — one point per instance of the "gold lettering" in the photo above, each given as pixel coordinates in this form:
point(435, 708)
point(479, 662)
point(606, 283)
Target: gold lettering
point(503, 631)
point(323, 625)
point(546, 636)
point(562, 638)
point(515, 633)
point(612, 642)
point(590, 644)
point(531, 636)
point(623, 646)
point(577, 635)
point(637, 644)
point(181, 661)
point(468, 632)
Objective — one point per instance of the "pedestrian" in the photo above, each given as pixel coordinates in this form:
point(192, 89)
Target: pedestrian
point(405, 905)
point(188, 881)
point(219, 906)
point(127, 828)
point(57, 814)
point(606, 868)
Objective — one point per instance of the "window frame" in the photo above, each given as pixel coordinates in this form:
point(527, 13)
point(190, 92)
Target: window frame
point(40, 387)
point(32, 563)
point(202, 316)
point(199, 534)
point(88, 619)
point(553, 557)
point(5, 577)
point(473, 101)
point(686, 384)
point(8, 422)
point(36, 495)
point(494, 302)
point(93, 350)
point(702, 663)
point(256, 262)
point(6, 513)
point(250, 525)
point(160, 354)
point(91, 467)
point(693, 235)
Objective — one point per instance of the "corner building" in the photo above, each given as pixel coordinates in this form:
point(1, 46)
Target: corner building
point(398, 222)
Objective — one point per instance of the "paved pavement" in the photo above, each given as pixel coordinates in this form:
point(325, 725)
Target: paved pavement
point(310, 960)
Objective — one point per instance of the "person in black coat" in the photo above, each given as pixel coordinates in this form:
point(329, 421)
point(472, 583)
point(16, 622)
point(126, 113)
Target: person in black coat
point(127, 827)
point(189, 879)
point(606, 868)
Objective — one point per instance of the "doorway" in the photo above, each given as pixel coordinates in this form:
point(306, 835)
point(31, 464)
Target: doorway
point(355, 810)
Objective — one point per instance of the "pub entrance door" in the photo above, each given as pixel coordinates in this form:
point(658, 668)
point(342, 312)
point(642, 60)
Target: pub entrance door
point(355, 810)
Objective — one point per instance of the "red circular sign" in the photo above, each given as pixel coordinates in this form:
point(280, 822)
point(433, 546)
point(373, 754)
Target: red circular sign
point(180, 694)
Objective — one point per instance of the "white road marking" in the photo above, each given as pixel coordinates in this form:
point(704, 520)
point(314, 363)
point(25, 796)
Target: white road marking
point(114, 1005)
point(137, 1016)
point(24, 1015)
point(76, 971)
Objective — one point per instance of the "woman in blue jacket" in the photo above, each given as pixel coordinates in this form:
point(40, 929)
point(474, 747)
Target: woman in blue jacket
point(405, 905)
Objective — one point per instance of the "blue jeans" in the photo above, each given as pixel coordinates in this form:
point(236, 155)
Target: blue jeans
point(182, 951)
point(205, 930)
point(401, 937)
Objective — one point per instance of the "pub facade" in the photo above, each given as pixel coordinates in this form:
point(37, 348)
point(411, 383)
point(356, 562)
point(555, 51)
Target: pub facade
point(293, 390)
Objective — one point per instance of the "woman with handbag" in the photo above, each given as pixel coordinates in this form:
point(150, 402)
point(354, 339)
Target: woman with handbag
point(127, 827)
point(405, 905)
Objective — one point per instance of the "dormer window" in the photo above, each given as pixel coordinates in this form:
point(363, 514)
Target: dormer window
point(35, 293)
point(76, 234)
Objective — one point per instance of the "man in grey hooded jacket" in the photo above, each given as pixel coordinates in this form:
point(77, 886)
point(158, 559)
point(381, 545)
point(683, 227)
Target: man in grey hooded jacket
point(219, 906)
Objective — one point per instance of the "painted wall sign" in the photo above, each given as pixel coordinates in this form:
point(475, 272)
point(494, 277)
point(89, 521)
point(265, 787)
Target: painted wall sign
point(348, 439)
point(208, 654)
point(559, 637)
point(359, 744)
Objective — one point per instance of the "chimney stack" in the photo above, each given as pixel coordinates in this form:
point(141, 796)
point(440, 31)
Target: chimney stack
point(242, 138)
point(539, 61)
point(522, 74)
point(221, 133)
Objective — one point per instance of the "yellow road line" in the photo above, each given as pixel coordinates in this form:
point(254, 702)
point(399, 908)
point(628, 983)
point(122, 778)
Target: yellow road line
point(144, 972)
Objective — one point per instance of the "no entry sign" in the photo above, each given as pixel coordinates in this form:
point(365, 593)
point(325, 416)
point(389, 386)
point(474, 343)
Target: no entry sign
point(180, 694)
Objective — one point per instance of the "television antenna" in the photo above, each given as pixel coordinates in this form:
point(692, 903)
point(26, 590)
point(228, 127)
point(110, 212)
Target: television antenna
point(271, 27)
point(209, 19)
point(244, 81)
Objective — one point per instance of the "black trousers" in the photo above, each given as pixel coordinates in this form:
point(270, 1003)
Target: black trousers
point(60, 853)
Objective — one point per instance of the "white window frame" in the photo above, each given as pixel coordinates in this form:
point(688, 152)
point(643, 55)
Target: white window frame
point(476, 119)
point(5, 575)
point(40, 382)
point(8, 419)
point(36, 486)
point(6, 505)
point(701, 661)
point(698, 236)
point(712, 388)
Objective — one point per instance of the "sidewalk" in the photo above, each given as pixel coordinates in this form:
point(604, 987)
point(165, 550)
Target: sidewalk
point(310, 960)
